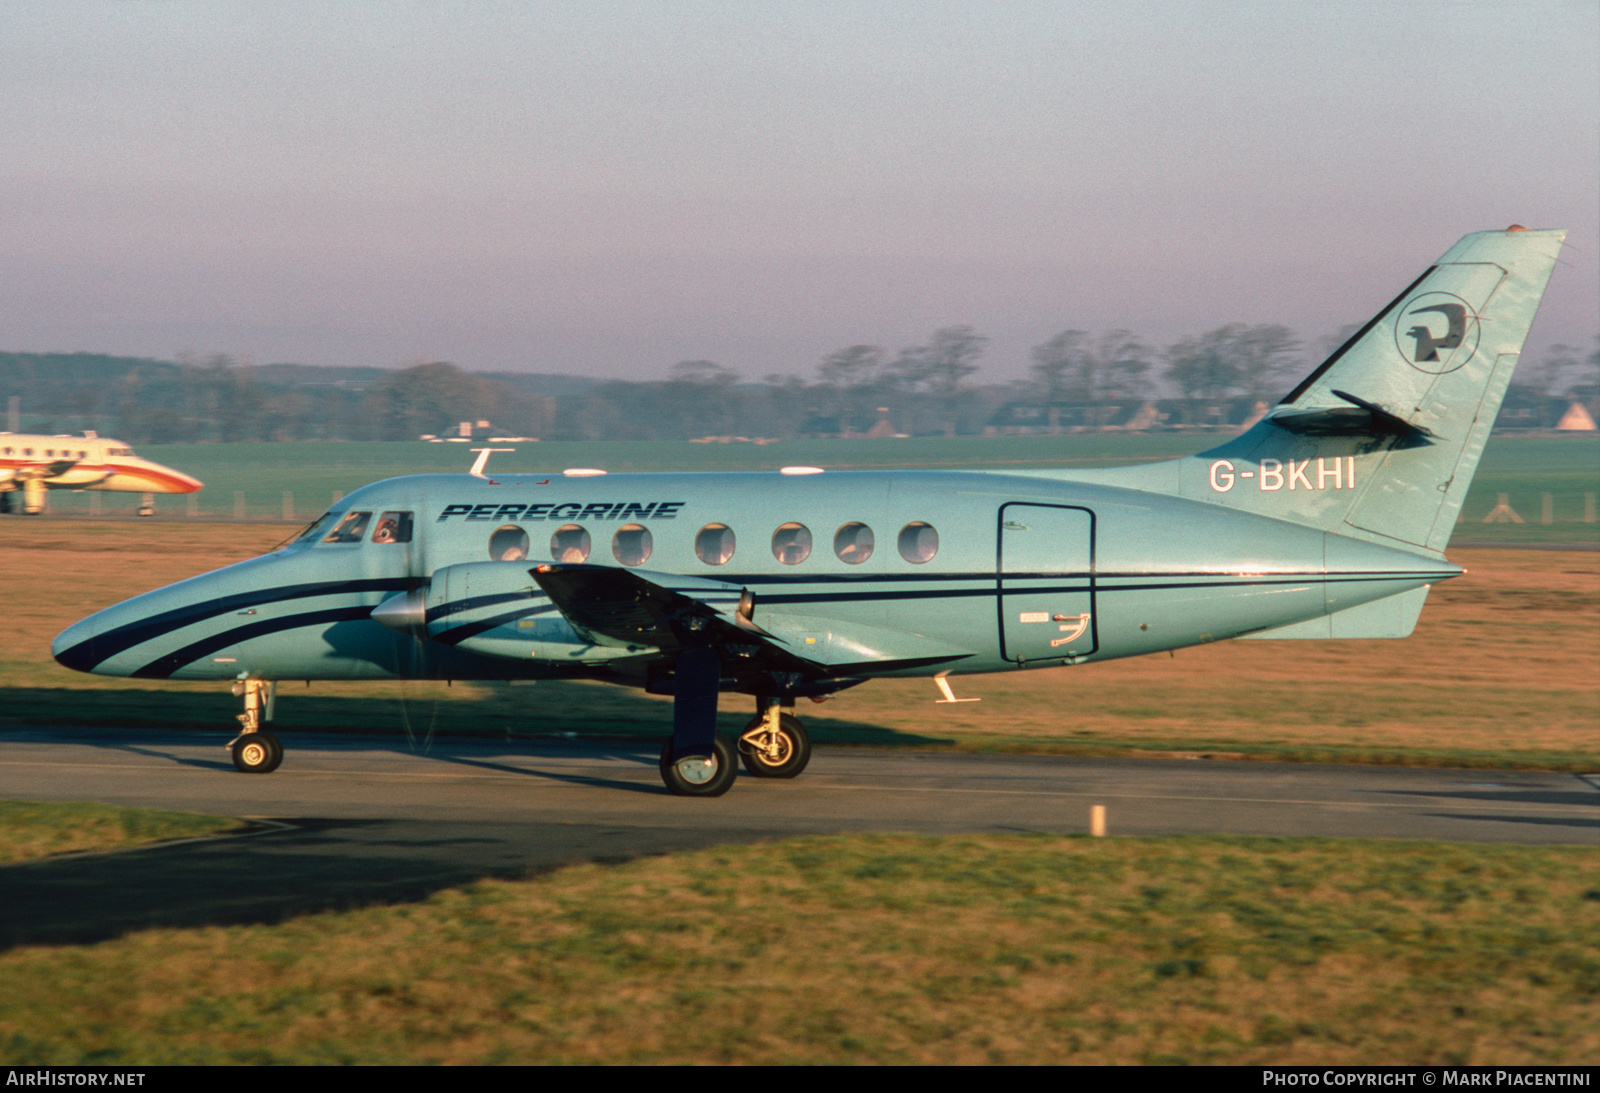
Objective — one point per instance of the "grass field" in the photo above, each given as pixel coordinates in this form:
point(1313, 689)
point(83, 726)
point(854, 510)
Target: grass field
point(251, 480)
point(31, 829)
point(878, 949)
point(1503, 670)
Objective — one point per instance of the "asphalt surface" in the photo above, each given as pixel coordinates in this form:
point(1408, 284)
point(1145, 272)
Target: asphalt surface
point(346, 822)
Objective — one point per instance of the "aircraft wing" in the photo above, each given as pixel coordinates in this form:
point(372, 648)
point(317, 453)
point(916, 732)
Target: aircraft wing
point(620, 606)
point(52, 469)
point(609, 605)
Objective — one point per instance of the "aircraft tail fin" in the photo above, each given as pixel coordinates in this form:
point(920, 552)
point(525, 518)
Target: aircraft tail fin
point(1382, 439)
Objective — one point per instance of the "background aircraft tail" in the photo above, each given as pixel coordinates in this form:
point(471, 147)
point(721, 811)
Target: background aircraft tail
point(1380, 442)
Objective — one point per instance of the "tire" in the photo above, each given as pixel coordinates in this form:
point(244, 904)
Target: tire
point(257, 753)
point(794, 746)
point(700, 777)
point(277, 752)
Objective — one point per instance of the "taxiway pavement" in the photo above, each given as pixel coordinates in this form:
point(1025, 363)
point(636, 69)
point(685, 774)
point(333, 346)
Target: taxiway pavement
point(347, 821)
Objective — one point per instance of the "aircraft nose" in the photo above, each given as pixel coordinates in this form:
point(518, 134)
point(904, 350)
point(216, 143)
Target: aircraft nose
point(175, 481)
point(74, 646)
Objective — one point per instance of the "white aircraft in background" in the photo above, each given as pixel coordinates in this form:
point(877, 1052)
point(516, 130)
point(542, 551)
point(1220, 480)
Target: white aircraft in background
point(32, 464)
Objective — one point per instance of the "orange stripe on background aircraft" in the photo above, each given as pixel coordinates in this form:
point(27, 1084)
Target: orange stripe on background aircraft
point(32, 464)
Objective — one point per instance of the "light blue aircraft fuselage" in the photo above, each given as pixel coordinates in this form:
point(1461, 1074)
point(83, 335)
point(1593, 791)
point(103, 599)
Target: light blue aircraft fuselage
point(1327, 519)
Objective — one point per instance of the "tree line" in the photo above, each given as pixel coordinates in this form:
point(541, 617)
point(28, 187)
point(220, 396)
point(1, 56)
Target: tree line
point(930, 388)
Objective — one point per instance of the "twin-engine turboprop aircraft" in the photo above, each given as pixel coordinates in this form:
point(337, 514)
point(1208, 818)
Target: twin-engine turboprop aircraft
point(1327, 519)
point(32, 464)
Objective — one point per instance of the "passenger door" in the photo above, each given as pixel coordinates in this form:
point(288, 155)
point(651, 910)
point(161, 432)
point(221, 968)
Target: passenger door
point(1046, 582)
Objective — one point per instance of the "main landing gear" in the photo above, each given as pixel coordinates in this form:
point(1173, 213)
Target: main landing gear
point(773, 745)
point(32, 497)
point(699, 776)
point(254, 750)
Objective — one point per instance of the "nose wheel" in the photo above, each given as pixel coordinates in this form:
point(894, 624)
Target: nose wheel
point(254, 750)
point(257, 753)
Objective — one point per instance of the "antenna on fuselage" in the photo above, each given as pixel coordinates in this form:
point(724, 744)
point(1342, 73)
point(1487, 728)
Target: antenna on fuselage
point(483, 460)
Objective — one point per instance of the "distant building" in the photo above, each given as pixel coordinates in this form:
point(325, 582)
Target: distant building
point(1577, 419)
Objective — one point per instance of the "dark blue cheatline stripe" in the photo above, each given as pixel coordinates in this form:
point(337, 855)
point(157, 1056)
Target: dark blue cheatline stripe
point(102, 647)
point(1102, 586)
point(862, 597)
point(842, 578)
point(163, 667)
point(461, 633)
point(456, 607)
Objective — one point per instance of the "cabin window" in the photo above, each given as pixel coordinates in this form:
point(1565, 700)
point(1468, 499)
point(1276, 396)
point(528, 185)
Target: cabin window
point(570, 544)
point(853, 543)
point(631, 544)
point(350, 529)
point(918, 542)
point(791, 543)
point(395, 527)
point(714, 544)
point(509, 543)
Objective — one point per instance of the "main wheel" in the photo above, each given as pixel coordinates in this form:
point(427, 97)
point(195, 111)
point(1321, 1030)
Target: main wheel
point(785, 756)
point(699, 777)
point(257, 753)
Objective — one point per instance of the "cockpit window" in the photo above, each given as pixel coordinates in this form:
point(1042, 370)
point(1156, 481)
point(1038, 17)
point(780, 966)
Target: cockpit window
point(393, 527)
point(350, 529)
point(314, 529)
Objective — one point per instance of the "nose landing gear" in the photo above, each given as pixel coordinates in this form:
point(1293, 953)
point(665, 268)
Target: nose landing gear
point(254, 750)
point(257, 753)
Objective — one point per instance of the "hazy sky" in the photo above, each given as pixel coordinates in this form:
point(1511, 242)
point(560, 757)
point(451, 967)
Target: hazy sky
point(608, 188)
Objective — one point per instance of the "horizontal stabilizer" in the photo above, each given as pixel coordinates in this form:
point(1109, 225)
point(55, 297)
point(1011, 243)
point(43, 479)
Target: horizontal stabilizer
point(1360, 418)
point(1390, 617)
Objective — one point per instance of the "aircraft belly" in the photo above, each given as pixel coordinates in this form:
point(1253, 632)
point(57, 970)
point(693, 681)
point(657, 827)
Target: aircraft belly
point(835, 643)
point(1146, 614)
point(969, 619)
